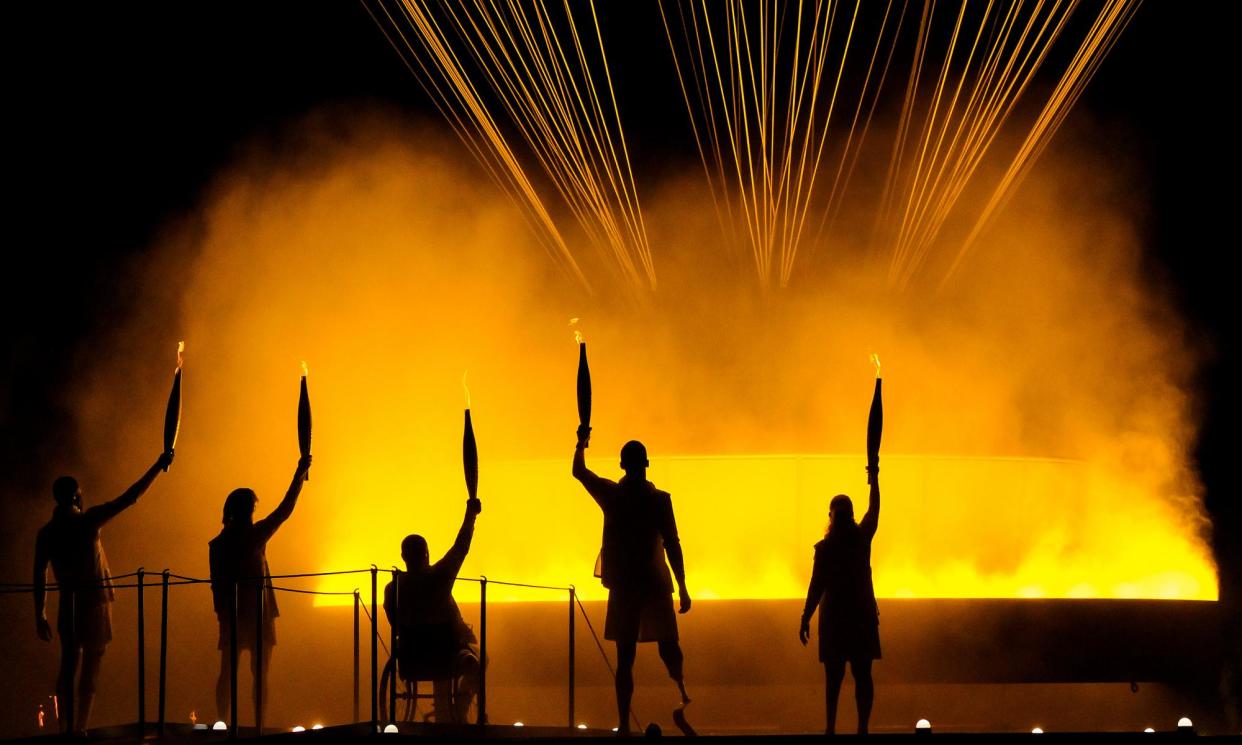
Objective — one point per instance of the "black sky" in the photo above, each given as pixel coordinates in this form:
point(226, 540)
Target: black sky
point(119, 114)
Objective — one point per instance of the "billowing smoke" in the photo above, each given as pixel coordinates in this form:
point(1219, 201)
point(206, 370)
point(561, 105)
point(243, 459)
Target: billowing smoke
point(1038, 410)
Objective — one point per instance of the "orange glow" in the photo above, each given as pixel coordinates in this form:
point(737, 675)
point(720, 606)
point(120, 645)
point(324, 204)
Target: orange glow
point(465, 387)
point(573, 323)
point(1039, 412)
point(180, 353)
point(305, 370)
point(950, 527)
point(875, 360)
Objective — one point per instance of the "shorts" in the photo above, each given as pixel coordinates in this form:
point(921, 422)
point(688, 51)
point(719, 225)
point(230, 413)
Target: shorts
point(92, 623)
point(640, 615)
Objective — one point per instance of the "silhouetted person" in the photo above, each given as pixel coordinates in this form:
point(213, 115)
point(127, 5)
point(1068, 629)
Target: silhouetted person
point(70, 542)
point(639, 529)
point(425, 614)
point(238, 556)
point(849, 620)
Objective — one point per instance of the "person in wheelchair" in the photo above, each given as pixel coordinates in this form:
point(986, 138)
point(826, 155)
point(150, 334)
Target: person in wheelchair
point(433, 641)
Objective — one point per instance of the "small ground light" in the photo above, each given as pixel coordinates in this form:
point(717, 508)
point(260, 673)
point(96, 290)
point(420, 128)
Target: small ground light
point(582, 725)
point(219, 726)
point(922, 726)
point(518, 724)
point(390, 729)
point(1149, 729)
point(1037, 731)
point(299, 728)
point(1184, 724)
point(316, 726)
point(200, 725)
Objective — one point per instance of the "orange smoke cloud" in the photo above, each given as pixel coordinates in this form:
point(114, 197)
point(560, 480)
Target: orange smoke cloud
point(1038, 420)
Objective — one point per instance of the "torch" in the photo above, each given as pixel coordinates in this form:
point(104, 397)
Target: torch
point(172, 415)
point(304, 418)
point(584, 385)
point(469, 451)
point(875, 425)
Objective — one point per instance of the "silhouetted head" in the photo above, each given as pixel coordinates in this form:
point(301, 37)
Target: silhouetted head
point(239, 507)
point(634, 458)
point(414, 552)
point(66, 493)
point(840, 511)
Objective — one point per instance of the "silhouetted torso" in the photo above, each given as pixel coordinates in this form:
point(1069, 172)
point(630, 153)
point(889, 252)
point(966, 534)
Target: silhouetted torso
point(239, 553)
point(638, 522)
point(848, 615)
point(71, 541)
point(426, 599)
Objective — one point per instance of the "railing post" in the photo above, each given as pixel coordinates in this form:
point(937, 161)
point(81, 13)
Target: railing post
point(257, 656)
point(572, 597)
point(393, 641)
point(357, 600)
point(233, 662)
point(482, 650)
point(142, 656)
point(163, 648)
point(374, 651)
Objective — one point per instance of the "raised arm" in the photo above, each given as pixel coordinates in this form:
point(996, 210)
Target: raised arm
point(597, 486)
point(283, 510)
point(871, 521)
point(457, 554)
point(42, 627)
point(102, 513)
point(814, 592)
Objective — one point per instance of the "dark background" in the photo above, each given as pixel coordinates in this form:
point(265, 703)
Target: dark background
point(119, 114)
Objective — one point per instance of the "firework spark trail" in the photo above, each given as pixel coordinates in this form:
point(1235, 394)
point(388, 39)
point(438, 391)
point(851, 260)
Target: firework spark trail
point(956, 104)
point(542, 84)
point(1104, 34)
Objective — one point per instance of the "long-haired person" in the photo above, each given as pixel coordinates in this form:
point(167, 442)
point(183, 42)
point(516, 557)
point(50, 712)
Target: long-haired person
point(849, 620)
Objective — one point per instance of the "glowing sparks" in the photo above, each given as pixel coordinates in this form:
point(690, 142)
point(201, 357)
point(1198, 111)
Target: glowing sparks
point(573, 324)
point(875, 360)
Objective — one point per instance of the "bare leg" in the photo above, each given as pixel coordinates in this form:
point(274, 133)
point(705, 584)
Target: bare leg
point(670, 652)
point(91, 657)
point(864, 691)
point(260, 685)
point(834, 672)
point(626, 652)
point(223, 702)
point(64, 682)
point(467, 684)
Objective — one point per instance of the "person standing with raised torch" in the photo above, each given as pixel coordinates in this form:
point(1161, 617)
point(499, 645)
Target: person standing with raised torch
point(639, 530)
point(239, 571)
point(841, 587)
point(71, 543)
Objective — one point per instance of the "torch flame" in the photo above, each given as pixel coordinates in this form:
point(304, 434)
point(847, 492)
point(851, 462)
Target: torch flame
point(305, 370)
point(465, 387)
point(180, 353)
point(577, 332)
point(875, 360)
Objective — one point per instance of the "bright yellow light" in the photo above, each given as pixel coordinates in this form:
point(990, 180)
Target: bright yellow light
point(305, 370)
point(950, 527)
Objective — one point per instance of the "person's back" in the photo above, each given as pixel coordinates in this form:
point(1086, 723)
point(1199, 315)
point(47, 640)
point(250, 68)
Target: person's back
point(239, 555)
point(636, 516)
point(76, 554)
point(845, 554)
point(425, 599)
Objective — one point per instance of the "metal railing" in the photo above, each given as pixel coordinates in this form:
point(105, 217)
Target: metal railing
point(168, 579)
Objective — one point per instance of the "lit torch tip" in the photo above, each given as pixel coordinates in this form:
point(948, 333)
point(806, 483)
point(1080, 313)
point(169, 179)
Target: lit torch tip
point(180, 352)
point(466, 388)
point(573, 322)
point(305, 369)
point(875, 360)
